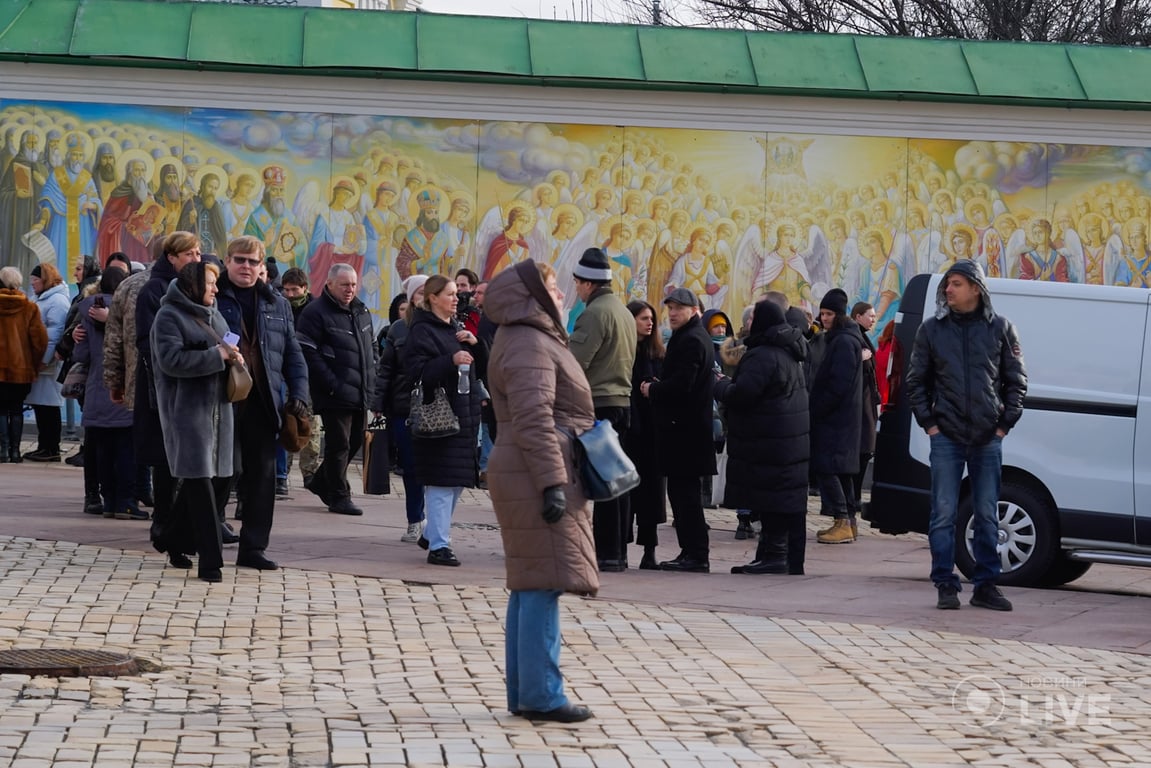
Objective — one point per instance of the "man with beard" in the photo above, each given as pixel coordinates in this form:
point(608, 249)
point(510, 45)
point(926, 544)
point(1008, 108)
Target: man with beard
point(20, 188)
point(10, 148)
point(70, 208)
point(53, 154)
point(274, 224)
point(426, 243)
point(209, 222)
point(337, 237)
point(104, 171)
point(179, 215)
point(128, 221)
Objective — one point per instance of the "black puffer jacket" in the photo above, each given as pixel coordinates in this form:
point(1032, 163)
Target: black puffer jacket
point(339, 345)
point(446, 462)
point(967, 375)
point(393, 392)
point(768, 422)
point(682, 402)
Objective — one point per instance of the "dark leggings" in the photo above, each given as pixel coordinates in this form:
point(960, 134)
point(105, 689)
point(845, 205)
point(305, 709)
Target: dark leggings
point(12, 415)
point(48, 424)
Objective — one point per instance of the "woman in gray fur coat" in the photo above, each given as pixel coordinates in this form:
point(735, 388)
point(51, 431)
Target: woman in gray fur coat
point(190, 360)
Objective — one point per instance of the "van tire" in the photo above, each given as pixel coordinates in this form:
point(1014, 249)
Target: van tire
point(1065, 570)
point(1028, 537)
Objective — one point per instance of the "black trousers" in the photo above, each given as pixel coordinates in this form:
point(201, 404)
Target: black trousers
point(864, 460)
point(684, 494)
point(256, 443)
point(199, 509)
point(611, 520)
point(48, 426)
point(837, 494)
point(343, 436)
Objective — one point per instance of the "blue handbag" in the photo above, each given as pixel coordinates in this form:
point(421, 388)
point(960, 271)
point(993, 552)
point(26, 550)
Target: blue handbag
point(606, 472)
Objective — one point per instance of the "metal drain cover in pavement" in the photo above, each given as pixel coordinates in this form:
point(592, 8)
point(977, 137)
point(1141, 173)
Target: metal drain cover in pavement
point(67, 662)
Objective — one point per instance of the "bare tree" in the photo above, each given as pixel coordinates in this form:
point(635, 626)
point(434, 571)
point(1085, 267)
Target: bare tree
point(1114, 22)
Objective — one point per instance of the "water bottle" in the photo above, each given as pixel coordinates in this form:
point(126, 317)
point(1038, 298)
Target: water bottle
point(464, 386)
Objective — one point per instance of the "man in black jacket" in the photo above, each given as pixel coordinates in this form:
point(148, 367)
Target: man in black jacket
point(262, 319)
point(682, 401)
point(966, 384)
point(339, 345)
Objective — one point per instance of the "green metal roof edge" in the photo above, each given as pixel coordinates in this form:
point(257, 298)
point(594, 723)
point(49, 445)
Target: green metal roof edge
point(498, 72)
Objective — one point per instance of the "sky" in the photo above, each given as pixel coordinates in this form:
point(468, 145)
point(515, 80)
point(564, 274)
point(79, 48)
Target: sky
point(564, 10)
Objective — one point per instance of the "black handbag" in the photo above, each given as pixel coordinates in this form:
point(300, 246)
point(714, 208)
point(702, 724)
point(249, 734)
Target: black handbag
point(434, 419)
point(606, 472)
point(376, 459)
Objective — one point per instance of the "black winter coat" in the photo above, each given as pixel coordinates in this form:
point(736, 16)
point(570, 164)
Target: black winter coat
point(836, 402)
point(768, 425)
point(445, 462)
point(339, 344)
point(967, 376)
point(281, 359)
point(649, 500)
point(683, 405)
point(393, 392)
point(147, 433)
point(871, 401)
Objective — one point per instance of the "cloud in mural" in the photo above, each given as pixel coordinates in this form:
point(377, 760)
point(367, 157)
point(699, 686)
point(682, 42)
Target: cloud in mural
point(1137, 161)
point(523, 153)
point(1010, 166)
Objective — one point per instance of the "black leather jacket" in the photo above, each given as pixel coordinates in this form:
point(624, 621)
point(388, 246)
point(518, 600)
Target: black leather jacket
point(967, 376)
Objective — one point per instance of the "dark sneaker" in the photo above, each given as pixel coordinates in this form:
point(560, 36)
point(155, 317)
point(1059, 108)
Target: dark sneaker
point(743, 530)
point(42, 456)
point(93, 504)
point(345, 507)
point(948, 598)
point(76, 459)
point(282, 488)
point(442, 556)
point(989, 596)
point(228, 535)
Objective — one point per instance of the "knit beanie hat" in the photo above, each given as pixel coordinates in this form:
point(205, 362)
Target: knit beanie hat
point(835, 300)
point(413, 284)
point(593, 266)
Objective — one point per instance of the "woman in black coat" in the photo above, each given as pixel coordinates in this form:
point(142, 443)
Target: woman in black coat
point(767, 439)
point(648, 500)
point(836, 404)
point(437, 346)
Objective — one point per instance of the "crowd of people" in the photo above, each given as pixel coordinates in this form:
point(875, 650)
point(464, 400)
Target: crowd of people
point(190, 369)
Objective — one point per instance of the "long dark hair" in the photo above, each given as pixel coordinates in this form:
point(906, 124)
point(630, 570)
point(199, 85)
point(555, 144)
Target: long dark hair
point(652, 346)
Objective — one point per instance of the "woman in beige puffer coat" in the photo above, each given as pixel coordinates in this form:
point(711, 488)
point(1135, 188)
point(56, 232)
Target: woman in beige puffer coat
point(541, 397)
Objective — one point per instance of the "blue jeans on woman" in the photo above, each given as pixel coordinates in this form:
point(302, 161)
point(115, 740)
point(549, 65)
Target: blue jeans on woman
point(440, 502)
point(532, 651)
point(984, 467)
point(406, 458)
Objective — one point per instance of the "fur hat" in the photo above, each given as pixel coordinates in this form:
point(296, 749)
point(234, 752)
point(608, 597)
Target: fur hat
point(593, 266)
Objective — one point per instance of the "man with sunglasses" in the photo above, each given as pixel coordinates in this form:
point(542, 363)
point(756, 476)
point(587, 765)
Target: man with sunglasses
point(262, 319)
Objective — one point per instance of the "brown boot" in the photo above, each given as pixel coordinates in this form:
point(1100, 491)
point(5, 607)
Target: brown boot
point(854, 527)
point(840, 533)
point(827, 530)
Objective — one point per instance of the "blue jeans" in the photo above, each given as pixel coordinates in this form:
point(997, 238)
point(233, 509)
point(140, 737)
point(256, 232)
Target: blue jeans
point(485, 446)
point(439, 502)
point(406, 458)
point(532, 651)
point(984, 464)
point(281, 463)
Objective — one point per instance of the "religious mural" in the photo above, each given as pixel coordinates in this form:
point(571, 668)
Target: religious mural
point(727, 215)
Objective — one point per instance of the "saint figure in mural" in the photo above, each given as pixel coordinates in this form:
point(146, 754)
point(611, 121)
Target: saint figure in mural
point(425, 244)
point(1134, 267)
point(380, 278)
point(1100, 257)
point(131, 216)
point(104, 170)
point(337, 235)
point(510, 246)
point(1043, 261)
point(20, 188)
point(240, 206)
point(275, 224)
point(210, 223)
point(178, 213)
point(70, 207)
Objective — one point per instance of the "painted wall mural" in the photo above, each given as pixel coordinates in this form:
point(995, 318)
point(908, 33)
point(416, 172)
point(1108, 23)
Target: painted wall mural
point(728, 215)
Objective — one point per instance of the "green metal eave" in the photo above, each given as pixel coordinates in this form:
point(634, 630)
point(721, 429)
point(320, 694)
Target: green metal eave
point(421, 46)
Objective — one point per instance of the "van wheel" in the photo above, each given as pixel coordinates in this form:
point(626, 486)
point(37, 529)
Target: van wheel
point(1026, 537)
point(1065, 570)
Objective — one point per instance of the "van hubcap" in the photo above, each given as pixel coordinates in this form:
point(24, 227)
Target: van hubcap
point(1014, 536)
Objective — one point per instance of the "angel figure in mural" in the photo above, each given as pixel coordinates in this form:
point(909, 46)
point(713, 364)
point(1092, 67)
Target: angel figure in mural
point(380, 279)
point(336, 235)
point(241, 203)
point(1102, 250)
point(843, 252)
point(1042, 260)
point(426, 243)
point(564, 249)
point(275, 224)
point(458, 234)
point(629, 275)
point(694, 271)
point(1134, 265)
point(723, 258)
point(1002, 246)
point(669, 246)
point(131, 217)
point(510, 246)
point(784, 267)
point(958, 244)
point(880, 281)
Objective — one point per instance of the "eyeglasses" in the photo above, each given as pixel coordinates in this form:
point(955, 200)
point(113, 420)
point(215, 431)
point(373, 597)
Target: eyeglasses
point(245, 260)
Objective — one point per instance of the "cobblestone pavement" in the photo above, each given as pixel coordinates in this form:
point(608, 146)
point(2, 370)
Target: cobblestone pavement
point(307, 668)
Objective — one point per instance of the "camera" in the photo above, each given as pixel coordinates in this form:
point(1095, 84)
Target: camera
point(465, 303)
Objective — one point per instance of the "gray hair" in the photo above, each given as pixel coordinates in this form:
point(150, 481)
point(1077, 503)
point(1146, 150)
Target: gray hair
point(336, 269)
point(10, 277)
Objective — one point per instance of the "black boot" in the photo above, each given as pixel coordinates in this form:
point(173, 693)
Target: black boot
point(4, 438)
point(796, 543)
point(771, 554)
point(15, 433)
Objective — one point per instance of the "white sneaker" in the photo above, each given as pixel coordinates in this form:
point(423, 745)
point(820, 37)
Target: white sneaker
point(412, 535)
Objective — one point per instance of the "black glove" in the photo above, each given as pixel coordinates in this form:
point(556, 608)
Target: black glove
point(299, 409)
point(554, 503)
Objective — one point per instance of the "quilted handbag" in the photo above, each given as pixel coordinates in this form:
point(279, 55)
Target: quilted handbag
point(428, 420)
point(606, 472)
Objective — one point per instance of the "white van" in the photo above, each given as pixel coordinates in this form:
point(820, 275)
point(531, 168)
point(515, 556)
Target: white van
point(1077, 467)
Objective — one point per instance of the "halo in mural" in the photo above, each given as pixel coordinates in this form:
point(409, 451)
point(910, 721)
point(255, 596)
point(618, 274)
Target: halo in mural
point(130, 156)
